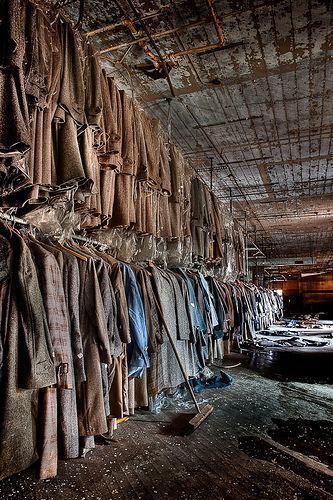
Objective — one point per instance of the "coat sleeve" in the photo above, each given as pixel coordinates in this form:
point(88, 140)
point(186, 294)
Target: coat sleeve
point(96, 313)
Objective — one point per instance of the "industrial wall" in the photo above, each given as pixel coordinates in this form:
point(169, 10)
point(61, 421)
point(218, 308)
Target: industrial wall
point(308, 294)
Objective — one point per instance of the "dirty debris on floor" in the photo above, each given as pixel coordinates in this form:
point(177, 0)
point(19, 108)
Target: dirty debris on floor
point(266, 439)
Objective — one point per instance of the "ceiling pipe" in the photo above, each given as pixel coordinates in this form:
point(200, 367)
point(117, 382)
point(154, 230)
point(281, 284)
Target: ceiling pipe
point(216, 22)
point(144, 27)
point(156, 60)
point(197, 50)
point(155, 36)
point(111, 27)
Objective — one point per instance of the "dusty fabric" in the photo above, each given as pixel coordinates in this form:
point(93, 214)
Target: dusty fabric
point(149, 136)
point(110, 306)
point(71, 280)
point(47, 433)
point(72, 92)
point(18, 407)
point(129, 150)
point(109, 141)
point(93, 90)
point(219, 228)
point(117, 111)
point(140, 396)
point(137, 355)
point(90, 164)
point(165, 225)
point(123, 207)
point(151, 382)
point(177, 173)
point(147, 209)
point(36, 354)
point(96, 348)
point(51, 285)
point(68, 435)
point(200, 219)
point(186, 213)
point(164, 166)
point(169, 371)
point(37, 56)
point(121, 301)
point(107, 191)
point(69, 160)
point(175, 214)
point(14, 116)
point(13, 105)
point(116, 391)
point(42, 158)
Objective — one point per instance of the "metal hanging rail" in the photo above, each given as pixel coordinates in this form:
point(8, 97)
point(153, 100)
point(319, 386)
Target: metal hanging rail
point(77, 237)
point(14, 219)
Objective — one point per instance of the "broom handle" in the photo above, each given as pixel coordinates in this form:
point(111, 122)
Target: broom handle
point(178, 357)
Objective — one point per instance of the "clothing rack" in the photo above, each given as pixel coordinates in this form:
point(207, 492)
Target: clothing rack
point(14, 219)
point(84, 239)
point(77, 237)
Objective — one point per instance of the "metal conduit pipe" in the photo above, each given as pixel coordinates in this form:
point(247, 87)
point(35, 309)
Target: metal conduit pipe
point(144, 27)
point(216, 22)
point(111, 27)
point(155, 36)
point(143, 44)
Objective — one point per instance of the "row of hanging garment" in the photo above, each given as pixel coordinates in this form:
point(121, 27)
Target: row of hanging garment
point(67, 126)
point(83, 343)
point(77, 328)
point(71, 125)
point(241, 310)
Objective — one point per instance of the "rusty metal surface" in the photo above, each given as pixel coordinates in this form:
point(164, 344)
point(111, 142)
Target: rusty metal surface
point(261, 105)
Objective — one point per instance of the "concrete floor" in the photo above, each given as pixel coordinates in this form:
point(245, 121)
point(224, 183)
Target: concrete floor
point(152, 460)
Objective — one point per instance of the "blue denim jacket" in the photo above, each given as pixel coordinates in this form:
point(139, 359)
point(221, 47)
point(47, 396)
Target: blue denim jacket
point(208, 300)
point(196, 316)
point(137, 349)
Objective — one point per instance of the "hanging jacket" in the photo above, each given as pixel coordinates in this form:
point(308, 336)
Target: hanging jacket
point(137, 350)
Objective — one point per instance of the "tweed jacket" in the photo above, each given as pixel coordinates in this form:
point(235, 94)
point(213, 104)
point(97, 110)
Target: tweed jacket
point(27, 358)
point(14, 115)
point(36, 353)
point(93, 90)
point(51, 285)
point(110, 138)
point(153, 379)
point(121, 301)
point(96, 349)
point(177, 321)
point(110, 306)
point(68, 433)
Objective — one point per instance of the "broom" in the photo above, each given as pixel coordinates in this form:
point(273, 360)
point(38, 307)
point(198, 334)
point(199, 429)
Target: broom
point(203, 413)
